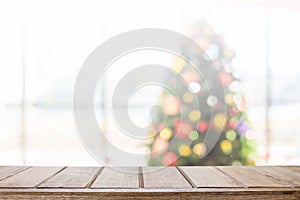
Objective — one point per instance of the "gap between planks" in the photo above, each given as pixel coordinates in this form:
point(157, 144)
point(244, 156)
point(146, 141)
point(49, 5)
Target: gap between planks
point(14, 172)
point(43, 181)
point(141, 178)
point(94, 178)
point(187, 178)
point(233, 178)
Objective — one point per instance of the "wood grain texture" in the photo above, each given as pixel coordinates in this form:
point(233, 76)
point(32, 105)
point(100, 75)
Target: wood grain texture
point(29, 178)
point(121, 177)
point(153, 195)
point(162, 183)
point(295, 168)
point(285, 174)
point(250, 177)
point(209, 177)
point(6, 171)
point(71, 177)
point(164, 177)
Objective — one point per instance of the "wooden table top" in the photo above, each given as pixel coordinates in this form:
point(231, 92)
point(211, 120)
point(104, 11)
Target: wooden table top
point(243, 182)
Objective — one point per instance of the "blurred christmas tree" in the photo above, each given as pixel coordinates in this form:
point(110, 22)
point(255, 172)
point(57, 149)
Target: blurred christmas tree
point(181, 129)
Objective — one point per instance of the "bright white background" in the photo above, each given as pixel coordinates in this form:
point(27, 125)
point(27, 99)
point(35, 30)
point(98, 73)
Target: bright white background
point(46, 42)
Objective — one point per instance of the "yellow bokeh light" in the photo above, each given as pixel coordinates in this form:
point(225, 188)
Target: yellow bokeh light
point(226, 146)
point(178, 64)
point(185, 150)
point(194, 115)
point(199, 149)
point(166, 133)
point(219, 121)
point(188, 97)
point(229, 99)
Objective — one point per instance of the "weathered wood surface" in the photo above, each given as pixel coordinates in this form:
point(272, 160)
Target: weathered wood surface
point(210, 177)
point(29, 178)
point(251, 178)
point(164, 177)
point(122, 177)
point(267, 182)
point(71, 177)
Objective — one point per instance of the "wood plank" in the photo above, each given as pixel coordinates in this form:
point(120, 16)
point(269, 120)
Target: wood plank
point(163, 177)
point(121, 177)
point(295, 168)
point(250, 177)
point(263, 182)
point(29, 178)
point(71, 177)
point(209, 177)
point(6, 171)
point(283, 173)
